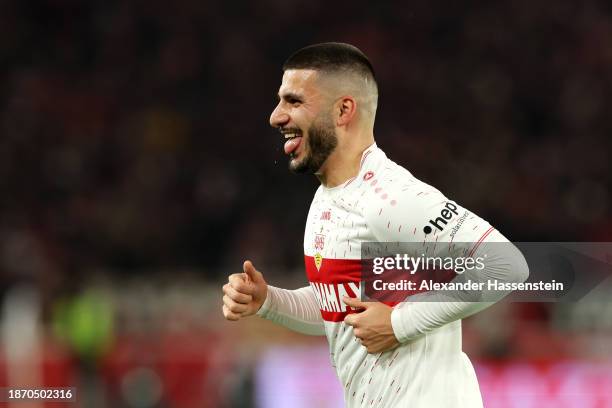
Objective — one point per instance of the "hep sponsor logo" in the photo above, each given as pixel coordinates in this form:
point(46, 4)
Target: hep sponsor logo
point(447, 213)
point(326, 215)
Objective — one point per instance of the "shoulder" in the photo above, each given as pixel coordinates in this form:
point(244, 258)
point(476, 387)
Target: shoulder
point(400, 207)
point(393, 189)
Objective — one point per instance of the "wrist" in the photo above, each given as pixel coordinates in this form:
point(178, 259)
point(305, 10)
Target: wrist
point(267, 303)
point(401, 322)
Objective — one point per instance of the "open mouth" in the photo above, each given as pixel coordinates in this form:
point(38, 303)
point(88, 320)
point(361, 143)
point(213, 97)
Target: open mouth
point(293, 139)
point(289, 136)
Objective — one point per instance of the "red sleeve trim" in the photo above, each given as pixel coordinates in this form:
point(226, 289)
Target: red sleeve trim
point(482, 238)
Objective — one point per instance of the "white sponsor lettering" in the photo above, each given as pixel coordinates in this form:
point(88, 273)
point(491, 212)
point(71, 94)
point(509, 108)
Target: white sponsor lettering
point(329, 296)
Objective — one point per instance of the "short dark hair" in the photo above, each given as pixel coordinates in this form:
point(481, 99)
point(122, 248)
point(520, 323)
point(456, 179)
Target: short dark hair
point(331, 57)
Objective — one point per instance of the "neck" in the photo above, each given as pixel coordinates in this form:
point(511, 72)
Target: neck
point(343, 163)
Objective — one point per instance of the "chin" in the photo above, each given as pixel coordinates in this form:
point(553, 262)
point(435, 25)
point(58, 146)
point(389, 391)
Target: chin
point(299, 166)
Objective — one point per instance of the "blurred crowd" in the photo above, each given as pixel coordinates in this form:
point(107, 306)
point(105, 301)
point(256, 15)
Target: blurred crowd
point(134, 135)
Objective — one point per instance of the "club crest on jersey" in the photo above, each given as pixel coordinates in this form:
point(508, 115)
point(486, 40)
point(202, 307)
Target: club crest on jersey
point(319, 242)
point(318, 260)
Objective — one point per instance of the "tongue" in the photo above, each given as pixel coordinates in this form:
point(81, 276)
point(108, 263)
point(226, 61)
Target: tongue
point(292, 144)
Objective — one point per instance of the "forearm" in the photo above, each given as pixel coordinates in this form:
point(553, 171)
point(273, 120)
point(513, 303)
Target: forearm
point(431, 310)
point(297, 310)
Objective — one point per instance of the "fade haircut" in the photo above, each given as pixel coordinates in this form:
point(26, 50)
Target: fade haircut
point(339, 59)
point(331, 57)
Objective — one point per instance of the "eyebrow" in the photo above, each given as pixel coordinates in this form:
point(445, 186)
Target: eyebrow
point(290, 95)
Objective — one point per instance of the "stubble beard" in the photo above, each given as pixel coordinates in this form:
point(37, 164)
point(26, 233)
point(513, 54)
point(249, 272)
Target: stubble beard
point(322, 141)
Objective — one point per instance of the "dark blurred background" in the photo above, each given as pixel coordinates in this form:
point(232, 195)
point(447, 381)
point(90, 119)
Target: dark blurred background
point(138, 169)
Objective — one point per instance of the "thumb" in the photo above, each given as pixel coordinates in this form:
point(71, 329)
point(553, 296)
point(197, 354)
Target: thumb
point(253, 274)
point(354, 303)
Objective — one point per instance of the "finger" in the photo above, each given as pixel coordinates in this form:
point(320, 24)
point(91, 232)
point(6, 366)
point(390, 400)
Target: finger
point(234, 307)
point(237, 281)
point(354, 302)
point(229, 315)
point(351, 320)
point(237, 296)
point(358, 333)
point(253, 274)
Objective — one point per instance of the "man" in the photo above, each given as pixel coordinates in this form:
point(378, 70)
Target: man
point(403, 356)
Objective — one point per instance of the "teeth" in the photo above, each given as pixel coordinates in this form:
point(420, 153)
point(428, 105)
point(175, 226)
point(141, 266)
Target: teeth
point(290, 135)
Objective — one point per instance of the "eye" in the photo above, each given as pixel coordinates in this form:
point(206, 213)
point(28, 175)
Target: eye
point(292, 99)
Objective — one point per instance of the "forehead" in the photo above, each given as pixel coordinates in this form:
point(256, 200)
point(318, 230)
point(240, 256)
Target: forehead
point(299, 82)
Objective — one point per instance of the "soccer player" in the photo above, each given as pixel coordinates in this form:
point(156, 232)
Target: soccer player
point(408, 355)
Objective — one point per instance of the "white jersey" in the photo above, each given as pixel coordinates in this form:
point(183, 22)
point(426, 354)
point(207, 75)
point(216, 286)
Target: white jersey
point(384, 203)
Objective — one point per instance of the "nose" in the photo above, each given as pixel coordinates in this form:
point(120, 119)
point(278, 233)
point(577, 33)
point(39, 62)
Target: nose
point(279, 117)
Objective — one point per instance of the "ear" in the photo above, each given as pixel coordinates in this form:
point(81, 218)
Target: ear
point(346, 109)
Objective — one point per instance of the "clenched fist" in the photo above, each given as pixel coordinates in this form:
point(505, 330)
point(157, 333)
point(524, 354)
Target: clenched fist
point(244, 293)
